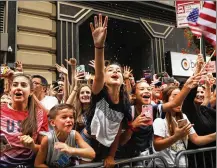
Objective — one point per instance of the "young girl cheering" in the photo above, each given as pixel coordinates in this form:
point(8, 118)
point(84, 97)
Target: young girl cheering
point(20, 125)
point(110, 103)
point(58, 147)
point(170, 137)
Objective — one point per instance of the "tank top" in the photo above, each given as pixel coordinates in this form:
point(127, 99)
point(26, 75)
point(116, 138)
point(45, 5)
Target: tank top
point(56, 158)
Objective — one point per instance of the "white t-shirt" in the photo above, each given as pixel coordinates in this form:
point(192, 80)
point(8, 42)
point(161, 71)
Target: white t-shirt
point(49, 101)
point(161, 129)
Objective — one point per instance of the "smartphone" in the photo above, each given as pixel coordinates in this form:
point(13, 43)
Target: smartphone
point(4, 143)
point(182, 123)
point(147, 110)
point(80, 68)
point(4, 69)
point(55, 85)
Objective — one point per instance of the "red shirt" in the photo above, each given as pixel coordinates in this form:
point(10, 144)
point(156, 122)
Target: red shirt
point(10, 128)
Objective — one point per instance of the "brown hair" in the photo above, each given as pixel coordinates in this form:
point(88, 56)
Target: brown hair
point(54, 110)
point(29, 125)
point(78, 105)
point(171, 124)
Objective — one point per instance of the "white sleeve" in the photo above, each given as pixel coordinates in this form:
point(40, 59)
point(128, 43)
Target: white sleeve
point(49, 102)
point(159, 127)
point(192, 131)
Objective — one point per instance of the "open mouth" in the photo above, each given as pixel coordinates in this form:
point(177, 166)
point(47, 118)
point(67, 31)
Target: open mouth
point(60, 91)
point(146, 96)
point(18, 94)
point(114, 77)
point(68, 126)
point(200, 97)
point(85, 97)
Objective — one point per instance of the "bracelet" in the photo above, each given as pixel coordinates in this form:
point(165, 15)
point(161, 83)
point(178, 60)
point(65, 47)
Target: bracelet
point(75, 90)
point(100, 47)
point(131, 127)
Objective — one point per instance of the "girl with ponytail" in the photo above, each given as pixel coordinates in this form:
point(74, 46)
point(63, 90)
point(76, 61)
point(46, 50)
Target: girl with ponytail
point(21, 123)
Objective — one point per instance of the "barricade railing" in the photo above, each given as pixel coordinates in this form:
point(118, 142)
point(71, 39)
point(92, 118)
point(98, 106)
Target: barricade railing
point(148, 161)
point(194, 154)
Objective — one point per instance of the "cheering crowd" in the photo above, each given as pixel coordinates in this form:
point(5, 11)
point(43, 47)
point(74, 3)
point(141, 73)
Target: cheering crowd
point(105, 116)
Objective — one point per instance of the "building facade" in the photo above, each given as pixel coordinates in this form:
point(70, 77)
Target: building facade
point(42, 33)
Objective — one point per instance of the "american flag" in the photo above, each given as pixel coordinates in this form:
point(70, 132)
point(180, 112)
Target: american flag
point(192, 22)
point(207, 21)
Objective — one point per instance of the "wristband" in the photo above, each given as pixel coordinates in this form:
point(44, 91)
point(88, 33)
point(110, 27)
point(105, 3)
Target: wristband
point(100, 47)
point(75, 90)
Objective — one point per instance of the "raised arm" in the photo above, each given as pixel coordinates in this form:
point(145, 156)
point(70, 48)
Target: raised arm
point(78, 77)
point(99, 33)
point(64, 71)
point(126, 76)
point(207, 95)
point(72, 62)
point(199, 64)
point(190, 83)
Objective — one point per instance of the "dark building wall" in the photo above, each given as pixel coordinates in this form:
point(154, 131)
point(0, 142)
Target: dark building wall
point(156, 20)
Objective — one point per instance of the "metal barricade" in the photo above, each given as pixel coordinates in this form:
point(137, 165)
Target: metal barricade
point(194, 156)
point(150, 162)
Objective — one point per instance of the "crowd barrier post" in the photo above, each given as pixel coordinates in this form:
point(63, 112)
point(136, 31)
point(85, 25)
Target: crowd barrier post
point(194, 152)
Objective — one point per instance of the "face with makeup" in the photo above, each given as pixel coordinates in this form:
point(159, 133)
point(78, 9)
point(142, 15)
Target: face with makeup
point(85, 95)
point(20, 89)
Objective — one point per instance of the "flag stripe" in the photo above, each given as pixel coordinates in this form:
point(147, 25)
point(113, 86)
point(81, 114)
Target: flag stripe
point(208, 17)
point(207, 21)
point(209, 5)
point(208, 29)
point(208, 12)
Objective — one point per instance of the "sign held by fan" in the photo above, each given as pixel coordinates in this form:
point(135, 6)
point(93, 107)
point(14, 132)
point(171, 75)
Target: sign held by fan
point(211, 67)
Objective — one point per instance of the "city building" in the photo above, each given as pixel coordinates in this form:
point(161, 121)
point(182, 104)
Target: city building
point(41, 33)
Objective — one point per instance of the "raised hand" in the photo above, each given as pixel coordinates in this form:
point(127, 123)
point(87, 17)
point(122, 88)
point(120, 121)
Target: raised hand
point(87, 76)
point(127, 72)
point(199, 63)
point(52, 90)
point(78, 77)
point(99, 31)
point(71, 61)
point(92, 64)
point(193, 81)
point(19, 66)
point(61, 69)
